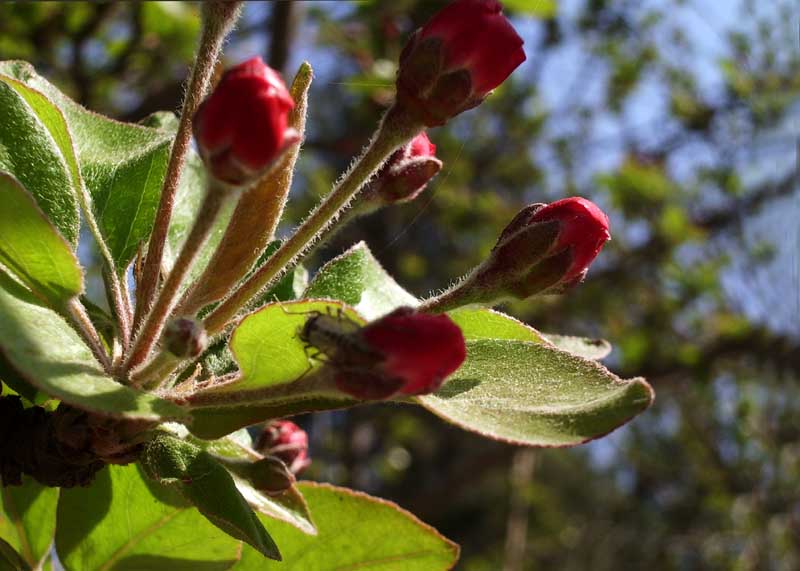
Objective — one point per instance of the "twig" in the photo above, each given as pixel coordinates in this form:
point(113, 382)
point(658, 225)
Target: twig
point(79, 319)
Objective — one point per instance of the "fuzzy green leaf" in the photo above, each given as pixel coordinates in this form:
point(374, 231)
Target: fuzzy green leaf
point(489, 324)
point(29, 152)
point(356, 532)
point(199, 478)
point(357, 279)
point(47, 353)
point(32, 248)
point(28, 519)
point(289, 506)
point(122, 165)
point(123, 523)
point(536, 395)
point(268, 348)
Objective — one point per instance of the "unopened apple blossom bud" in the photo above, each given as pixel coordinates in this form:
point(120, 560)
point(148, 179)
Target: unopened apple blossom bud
point(185, 337)
point(272, 476)
point(242, 126)
point(545, 249)
point(404, 176)
point(450, 64)
point(286, 441)
point(404, 352)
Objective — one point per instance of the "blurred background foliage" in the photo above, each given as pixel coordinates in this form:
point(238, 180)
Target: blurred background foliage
point(679, 117)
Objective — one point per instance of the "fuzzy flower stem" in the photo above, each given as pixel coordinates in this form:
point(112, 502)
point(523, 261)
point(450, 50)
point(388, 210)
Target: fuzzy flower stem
point(396, 129)
point(79, 319)
point(218, 19)
point(154, 323)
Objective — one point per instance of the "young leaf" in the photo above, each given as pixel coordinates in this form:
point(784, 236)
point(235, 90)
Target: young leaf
point(536, 395)
point(122, 523)
point(49, 355)
point(289, 506)
point(122, 164)
point(357, 279)
point(268, 348)
point(356, 531)
point(10, 560)
point(594, 349)
point(200, 479)
point(28, 519)
point(481, 323)
point(29, 152)
point(33, 250)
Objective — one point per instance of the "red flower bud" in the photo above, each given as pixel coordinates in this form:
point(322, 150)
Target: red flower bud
point(416, 353)
point(286, 441)
point(544, 249)
point(448, 66)
point(404, 176)
point(583, 229)
point(242, 127)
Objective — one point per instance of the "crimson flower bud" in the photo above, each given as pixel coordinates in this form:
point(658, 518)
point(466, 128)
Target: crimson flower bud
point(544, 249)
point(404, 176)
point(242, 127)
point(449, 65)
point(414, 353)
point(286, 441)
point(185, 337)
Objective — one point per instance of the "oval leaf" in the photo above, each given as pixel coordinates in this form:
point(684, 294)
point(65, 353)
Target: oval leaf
point(356, 532)
point(29, 152)
point(200, 479)
point(268, 348)
point(359, 280)
point(536, 395)
point(482, 323)
point(119, 523)
point(28, 519)
point(32, 248)
point(122, 165)
point(47, 353)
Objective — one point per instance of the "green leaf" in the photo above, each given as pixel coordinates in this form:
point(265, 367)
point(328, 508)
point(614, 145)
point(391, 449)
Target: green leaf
point(481, 323)
point(200, 479)
point(28, 519)
point(29, 152)
point(356, 532)
point(357, 279)
point(122, 164)
point(594, 349)
point(267, 345)
point(289, 506)
point(33, 250)
point(123, 523)
point(48, 354)
point(536, 395)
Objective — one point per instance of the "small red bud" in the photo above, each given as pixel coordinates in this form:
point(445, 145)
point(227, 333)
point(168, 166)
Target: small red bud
point(242, 126)
point(185, 337)
point(545, 249)
point(417, 350)
point(405, 174)
point(449, 65)
point(286, 441)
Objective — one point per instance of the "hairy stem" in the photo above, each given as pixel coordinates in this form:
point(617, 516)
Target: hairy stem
point(218, 19)
point(395, 130)
point(256, 216)
point(79, 319)
point(154, 323)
